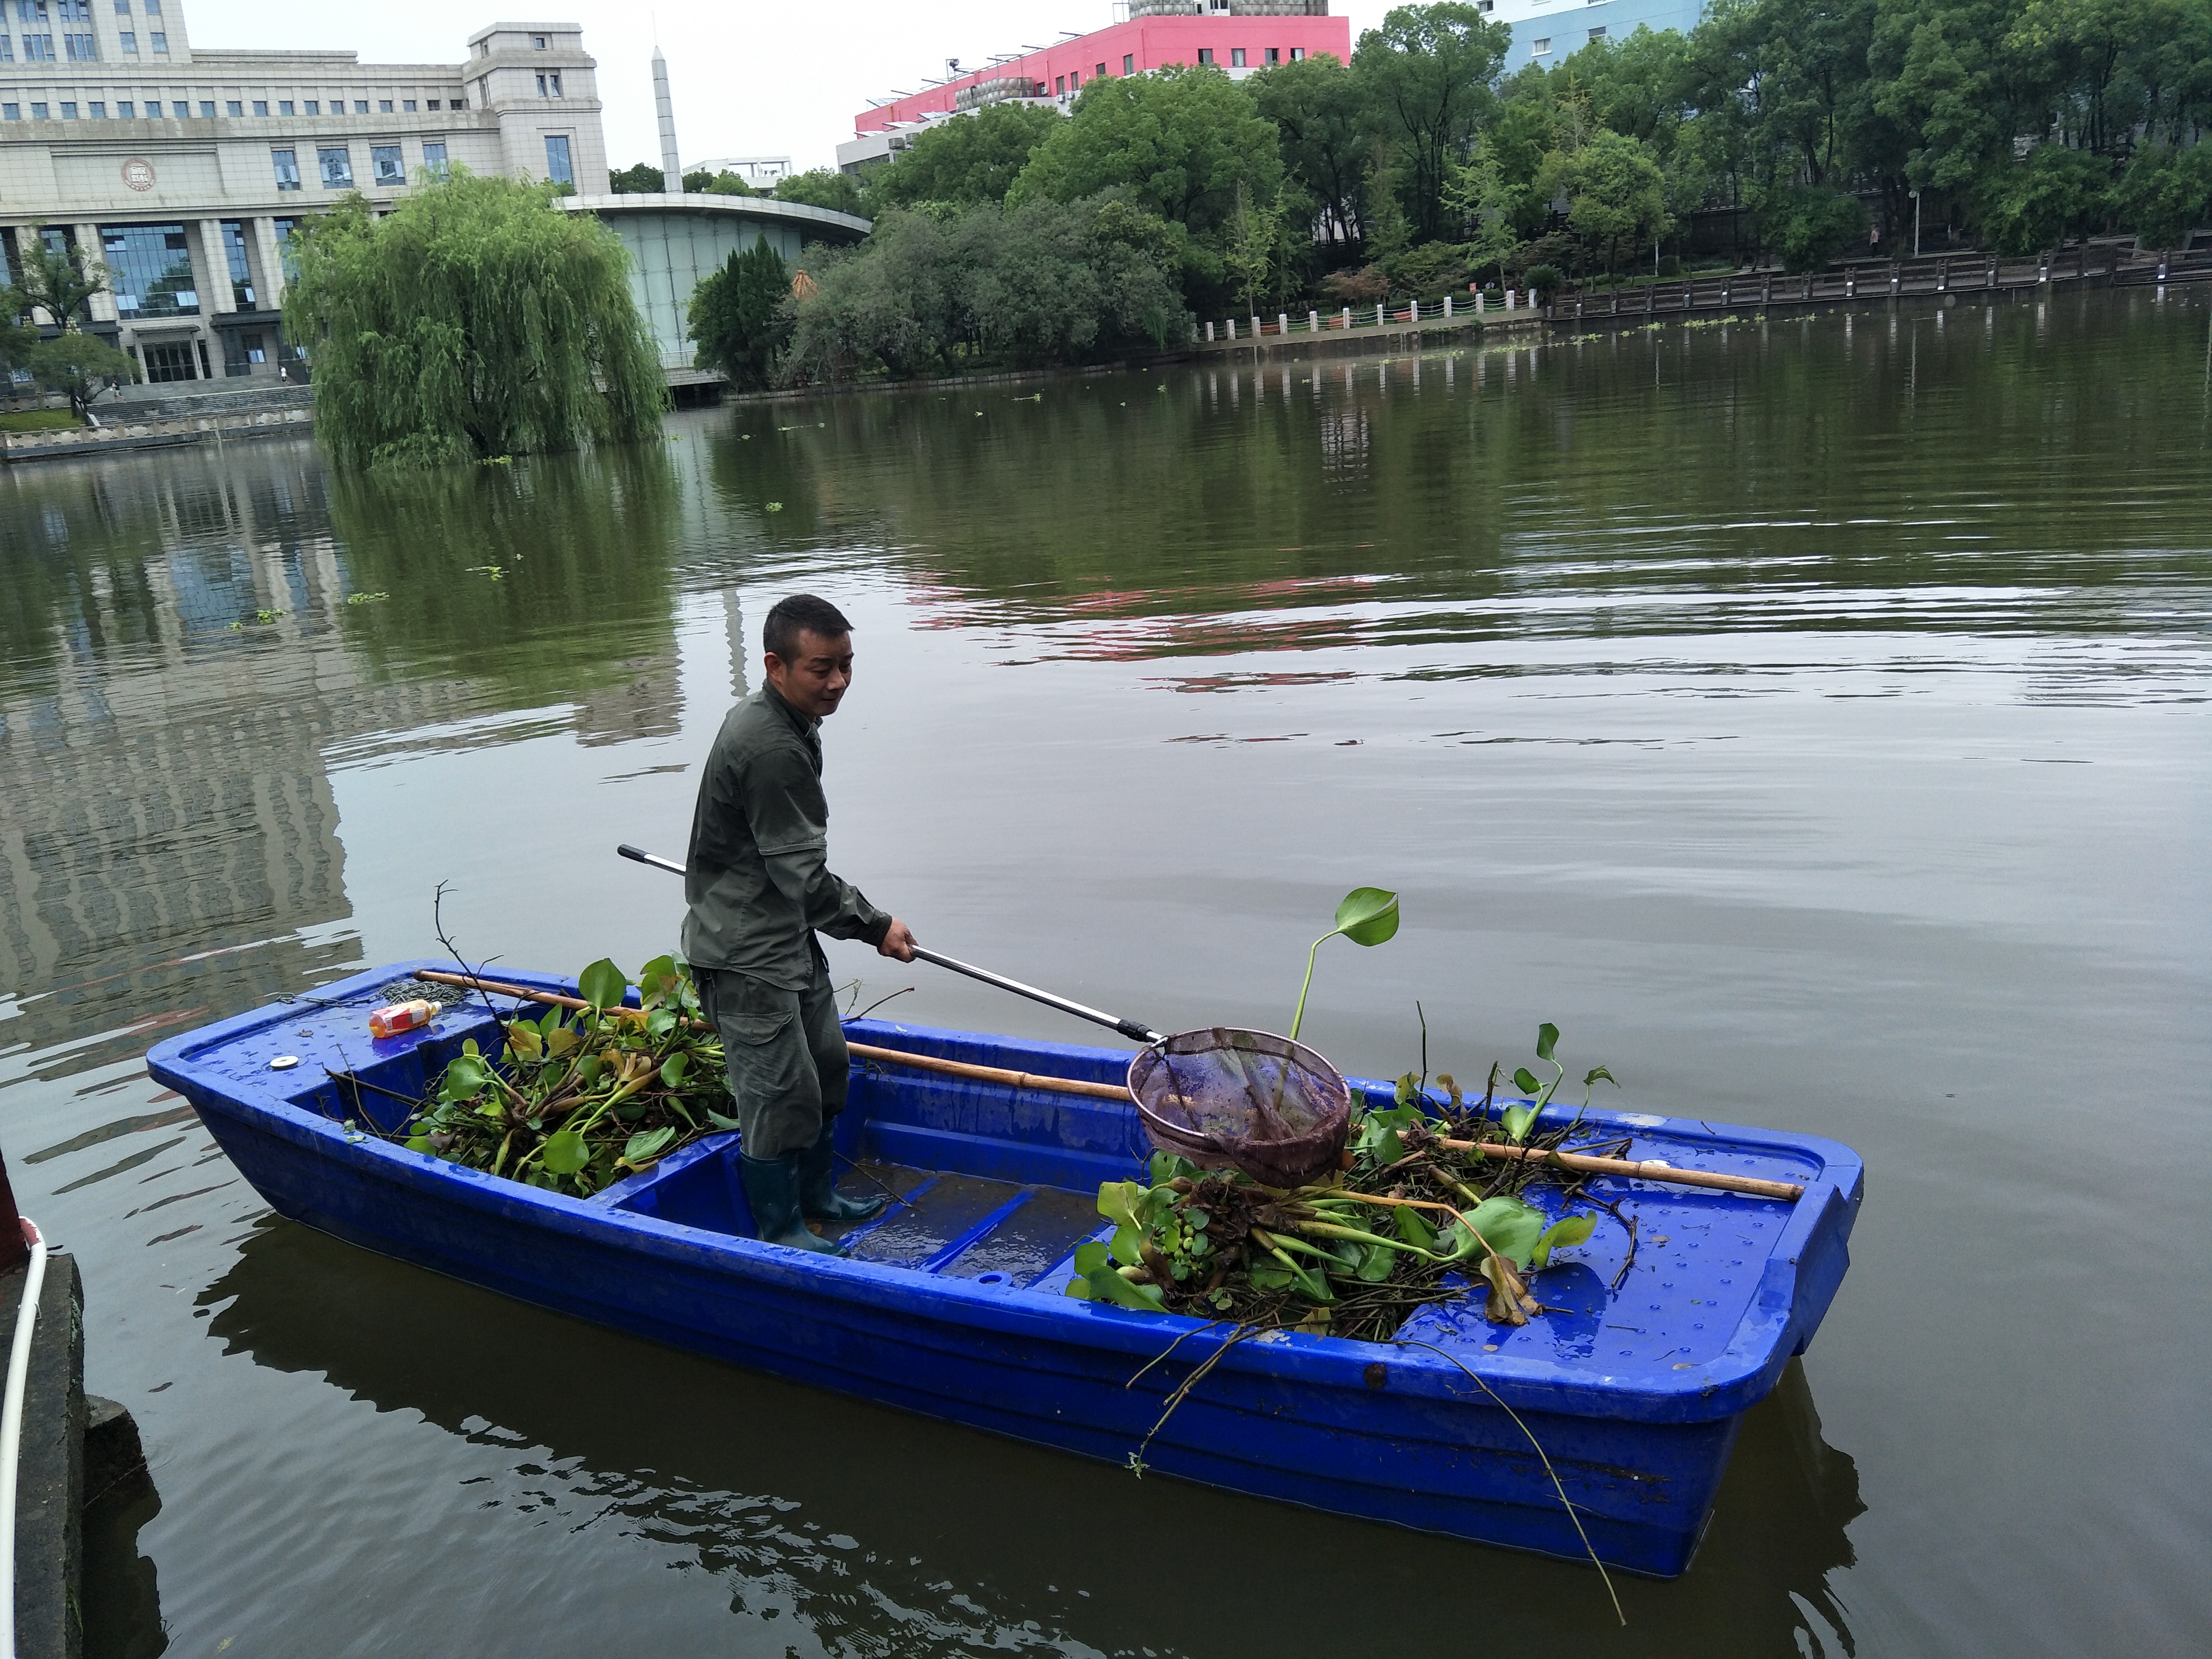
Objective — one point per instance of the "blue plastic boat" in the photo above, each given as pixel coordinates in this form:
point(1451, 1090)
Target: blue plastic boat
point(952, 1303)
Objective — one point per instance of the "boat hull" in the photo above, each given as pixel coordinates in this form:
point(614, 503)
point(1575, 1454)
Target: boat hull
point(1417, 1434)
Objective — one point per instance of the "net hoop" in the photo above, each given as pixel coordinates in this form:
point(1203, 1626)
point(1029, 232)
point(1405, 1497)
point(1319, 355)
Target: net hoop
point(1225, 1097)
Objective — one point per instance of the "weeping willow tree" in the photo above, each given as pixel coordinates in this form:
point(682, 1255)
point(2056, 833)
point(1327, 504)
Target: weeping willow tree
point(475, 319)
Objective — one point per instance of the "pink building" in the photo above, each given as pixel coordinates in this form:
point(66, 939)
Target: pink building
point(1240, 37)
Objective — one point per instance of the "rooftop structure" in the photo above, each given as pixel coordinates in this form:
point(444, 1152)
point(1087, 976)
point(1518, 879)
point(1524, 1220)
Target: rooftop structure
point(1240, 37)
point(184, 169)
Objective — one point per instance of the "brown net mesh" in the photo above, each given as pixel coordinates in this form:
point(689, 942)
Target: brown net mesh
point(1249, 1100)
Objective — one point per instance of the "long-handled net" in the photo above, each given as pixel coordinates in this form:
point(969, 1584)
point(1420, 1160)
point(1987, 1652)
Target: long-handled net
point(1225, 1098)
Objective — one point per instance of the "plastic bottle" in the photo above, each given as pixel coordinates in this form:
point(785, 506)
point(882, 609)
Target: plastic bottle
point(400, 1016)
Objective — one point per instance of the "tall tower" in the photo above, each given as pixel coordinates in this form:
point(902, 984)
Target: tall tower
point(672, 170)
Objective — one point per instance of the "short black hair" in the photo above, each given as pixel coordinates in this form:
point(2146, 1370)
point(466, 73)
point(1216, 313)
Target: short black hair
point(801, 613)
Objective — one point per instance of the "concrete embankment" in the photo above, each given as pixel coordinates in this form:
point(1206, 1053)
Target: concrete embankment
point(212, 417)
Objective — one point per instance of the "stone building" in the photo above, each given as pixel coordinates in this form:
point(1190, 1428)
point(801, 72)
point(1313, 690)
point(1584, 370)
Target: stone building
point(184, 169)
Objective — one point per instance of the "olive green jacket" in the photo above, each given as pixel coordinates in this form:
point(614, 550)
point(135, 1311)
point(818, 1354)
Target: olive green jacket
point(757, 875)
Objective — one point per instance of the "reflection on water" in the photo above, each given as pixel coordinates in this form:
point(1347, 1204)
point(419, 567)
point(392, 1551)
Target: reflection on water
point(1808, 717)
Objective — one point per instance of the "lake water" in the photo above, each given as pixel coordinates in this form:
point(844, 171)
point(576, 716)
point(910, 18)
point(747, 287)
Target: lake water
point(1810, 719)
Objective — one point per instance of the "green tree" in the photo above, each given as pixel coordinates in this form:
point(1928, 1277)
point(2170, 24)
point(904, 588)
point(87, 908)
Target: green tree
point(966, 161)
point(1179, 143)
point(1254, 252)
point(1616, 195)
point(60, 282)
point(1320, 112)
point(1033, 283)
point(2036, 203)
point(473, 319)
point(736, 316)
point(83, 365)
point(2165, 193)
point(1809, 226)
point(824, 187)
point(1426, 75)
point(646, 179)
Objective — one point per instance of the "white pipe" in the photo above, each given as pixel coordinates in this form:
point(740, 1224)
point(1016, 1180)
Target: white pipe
point(11, 1428)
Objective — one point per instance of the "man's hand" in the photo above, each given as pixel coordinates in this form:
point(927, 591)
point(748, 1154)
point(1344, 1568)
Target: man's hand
point(898, 942)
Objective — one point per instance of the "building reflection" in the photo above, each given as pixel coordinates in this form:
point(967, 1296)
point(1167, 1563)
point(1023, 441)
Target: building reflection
point(188, 640)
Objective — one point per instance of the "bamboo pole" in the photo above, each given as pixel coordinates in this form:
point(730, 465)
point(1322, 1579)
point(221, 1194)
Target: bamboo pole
point(1650, 1169)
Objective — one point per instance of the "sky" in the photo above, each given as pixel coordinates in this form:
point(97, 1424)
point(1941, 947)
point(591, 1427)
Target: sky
point(747, 80)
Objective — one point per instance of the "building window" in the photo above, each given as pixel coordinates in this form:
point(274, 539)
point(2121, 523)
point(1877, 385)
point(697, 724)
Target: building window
point(79, 49)
point(1098, 74)
point(97, 112)
point(124, 110)
point(284, 106)
point(1205, 54)
point(1540, 48)
point(384, 164)
point(1598, 34)
point(1060, 86)
point(7, 48)
point(73, 11)
point(537, 42)
point(314, 106)
point(232, 107)
point(38, 112)
point(288, 168)
point(407, 104)
point(150, 268)
point(1298, 54)
point(1237, 57)
point(11, 112)
point(171, 361)
point(335, 164)
point(68, 111)
point(123, 8)
point(1128, 62)
point(153, 8)
point(557, 169)
point(38, 48)
point(433, 103)
point(549, 85)
point(207, 109)
point(360, 106)
point(384, 106)
point(160, 42)
point(181, 110)
point(242, 275)
point(1274, 54)
point(261, 106)
point(434, 157)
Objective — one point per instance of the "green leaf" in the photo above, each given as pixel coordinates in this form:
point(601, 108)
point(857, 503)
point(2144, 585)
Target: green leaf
point(420, 1144)
point(1525, 1081)
point(1368, 915)
point(1516, 1119)
point(1548, 1038)
point(463, 1080)
point(1388, 1148)
point(1599, 1074)
point(1120, 1202)
point(1089, 1257)
point(1376, 1263)
point(657, 979)
point(566, 1152)
point(523, 1041)
point(1270, 1279)
point(1510, 1227)
point(602, 984)
point(561, 1041)
point(1128, 1246)
point(1107, 1285)
point(718, 1121)
point(674, 1068)
point(1407, 1087)
point(1080, 1288)
point(660, 1021)
point(1567, 1231)
point(647, 1143)
point(1413, 1227)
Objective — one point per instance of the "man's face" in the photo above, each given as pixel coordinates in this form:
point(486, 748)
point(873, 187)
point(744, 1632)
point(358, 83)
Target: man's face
point(813, 678)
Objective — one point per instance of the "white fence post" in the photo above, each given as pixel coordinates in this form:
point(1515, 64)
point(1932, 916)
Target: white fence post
point(1509, 298)
point(1379, 317)
point(1231, 325)
point(1209, 334)
point(1448, 307)
point(1313, 322)
point(1347, 317)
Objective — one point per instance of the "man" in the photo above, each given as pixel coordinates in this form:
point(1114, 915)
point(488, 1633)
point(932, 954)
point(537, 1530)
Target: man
point(758, 882)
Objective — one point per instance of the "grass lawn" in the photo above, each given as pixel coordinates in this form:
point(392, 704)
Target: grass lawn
point(39, 420)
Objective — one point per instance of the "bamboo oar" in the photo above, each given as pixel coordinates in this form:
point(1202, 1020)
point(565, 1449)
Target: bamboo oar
point(1652, 1169)
point(1064, 1085)
point(1648, 1170)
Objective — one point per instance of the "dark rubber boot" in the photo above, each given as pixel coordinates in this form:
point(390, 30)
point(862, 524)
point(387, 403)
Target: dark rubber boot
point(772, 1189)
point(818, 1196)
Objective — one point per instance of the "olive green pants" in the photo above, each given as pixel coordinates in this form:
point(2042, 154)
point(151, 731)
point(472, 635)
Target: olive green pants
point(786, 1053)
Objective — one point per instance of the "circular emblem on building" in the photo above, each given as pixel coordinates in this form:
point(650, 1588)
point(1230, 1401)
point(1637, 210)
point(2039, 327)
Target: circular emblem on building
point(139, 173)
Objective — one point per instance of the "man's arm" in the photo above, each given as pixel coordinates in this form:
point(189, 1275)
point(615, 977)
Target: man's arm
point(790, 821)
